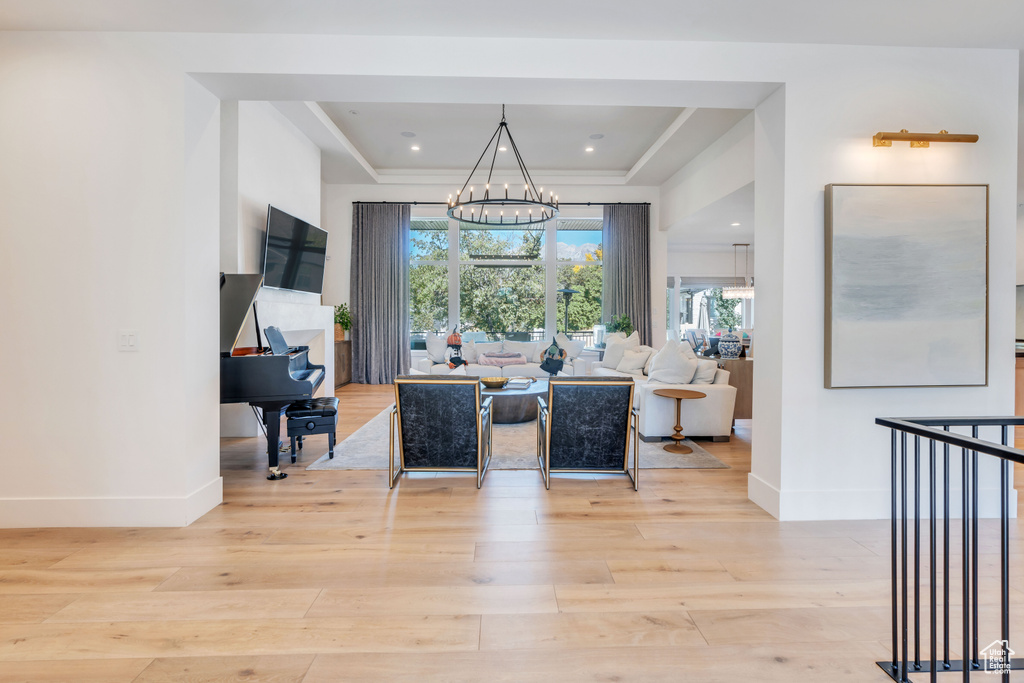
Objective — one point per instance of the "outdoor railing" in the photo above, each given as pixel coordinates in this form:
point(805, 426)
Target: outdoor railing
point(586, 336)
point(996, 657)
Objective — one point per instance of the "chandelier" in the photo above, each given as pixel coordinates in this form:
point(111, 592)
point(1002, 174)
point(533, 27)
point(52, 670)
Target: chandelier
point(502, 206)
point(743, 291)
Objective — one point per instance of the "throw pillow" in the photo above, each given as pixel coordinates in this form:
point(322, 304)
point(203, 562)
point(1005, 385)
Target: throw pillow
point(461, 370)
point(617, 347)
point(436, 348)
point(650, 354)
point(530, 350)
point(472, 350)
point(705, 374)
point(634, 360)
point(573, 348)
point(672, 366)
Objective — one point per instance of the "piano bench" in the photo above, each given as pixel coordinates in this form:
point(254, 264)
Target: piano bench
point(316, 416)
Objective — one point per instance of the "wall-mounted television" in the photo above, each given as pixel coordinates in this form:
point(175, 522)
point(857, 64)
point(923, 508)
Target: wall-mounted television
point(295, 253)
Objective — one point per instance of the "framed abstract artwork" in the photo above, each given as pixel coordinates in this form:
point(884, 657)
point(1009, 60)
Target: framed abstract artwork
point(906, 285)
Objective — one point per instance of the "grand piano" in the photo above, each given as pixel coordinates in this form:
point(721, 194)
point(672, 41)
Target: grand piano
point(268, 379)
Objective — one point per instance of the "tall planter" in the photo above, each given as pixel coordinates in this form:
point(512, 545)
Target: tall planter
point(339, 332)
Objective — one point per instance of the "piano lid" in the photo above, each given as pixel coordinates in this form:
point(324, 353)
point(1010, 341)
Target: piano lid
point(237, 293)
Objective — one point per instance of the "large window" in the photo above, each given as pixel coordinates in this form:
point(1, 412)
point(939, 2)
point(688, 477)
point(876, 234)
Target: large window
point(579, 252)
point(503, 282)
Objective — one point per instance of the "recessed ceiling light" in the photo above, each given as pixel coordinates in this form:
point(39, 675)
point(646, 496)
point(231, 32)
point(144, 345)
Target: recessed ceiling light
point(735, 225)
point(408, 134)
point(597, 136)
point(503, 149)
point(589, 149)
point(415, 148)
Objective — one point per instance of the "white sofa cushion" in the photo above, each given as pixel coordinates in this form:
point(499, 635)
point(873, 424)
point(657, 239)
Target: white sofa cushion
point(471, 351)
point(530, 350)
point(573, 348)
point(706, 370)
point(673, 365)
point(634, 360)
point(436, 347)
point(615, 349)
point(651, 351)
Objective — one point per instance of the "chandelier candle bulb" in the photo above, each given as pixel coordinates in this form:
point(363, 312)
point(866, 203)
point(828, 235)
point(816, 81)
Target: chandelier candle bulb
point(506, 190)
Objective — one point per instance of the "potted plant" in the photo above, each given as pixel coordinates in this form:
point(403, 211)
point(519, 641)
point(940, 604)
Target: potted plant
point(342, 321)
point(622, 324)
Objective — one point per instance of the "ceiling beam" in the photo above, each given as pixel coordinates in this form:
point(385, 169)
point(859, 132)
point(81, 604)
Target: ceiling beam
point(660, 142)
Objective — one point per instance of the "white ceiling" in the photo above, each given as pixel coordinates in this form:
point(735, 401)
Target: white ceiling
point(711, 228)
point(452, 136)
point(951, 23)
point(638, 145)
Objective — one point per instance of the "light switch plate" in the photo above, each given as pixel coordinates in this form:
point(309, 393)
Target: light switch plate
point(128, 340)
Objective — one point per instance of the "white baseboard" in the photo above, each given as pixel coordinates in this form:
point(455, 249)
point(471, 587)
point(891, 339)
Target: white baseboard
point(20, 513)
point(763, 494)
point(791, 506)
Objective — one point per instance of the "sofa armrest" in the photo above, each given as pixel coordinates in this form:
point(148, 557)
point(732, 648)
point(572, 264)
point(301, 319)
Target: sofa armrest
point(721, 377)
point(709, 416)
point(423, 364)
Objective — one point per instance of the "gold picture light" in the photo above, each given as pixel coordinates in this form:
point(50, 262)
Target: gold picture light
point(919, 139)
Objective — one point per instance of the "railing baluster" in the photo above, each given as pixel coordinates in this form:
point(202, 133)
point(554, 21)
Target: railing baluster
point(975, 662)
point(903, 543)
point(917, 553)
point(893, 535)
point(945, 553)
point(1004, 548)
point(966, 570)
point(931, 516)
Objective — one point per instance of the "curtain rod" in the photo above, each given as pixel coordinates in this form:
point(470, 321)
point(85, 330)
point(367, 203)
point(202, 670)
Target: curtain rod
point(559, 203)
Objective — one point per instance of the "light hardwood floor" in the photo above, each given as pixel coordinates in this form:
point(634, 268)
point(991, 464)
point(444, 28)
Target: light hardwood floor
point(329, 576)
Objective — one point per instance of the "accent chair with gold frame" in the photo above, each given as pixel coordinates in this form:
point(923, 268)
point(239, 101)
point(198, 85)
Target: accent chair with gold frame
point(586, 425)
point(441, 425)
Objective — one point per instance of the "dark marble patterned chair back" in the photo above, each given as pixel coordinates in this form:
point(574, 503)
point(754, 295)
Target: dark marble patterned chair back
point(438, 420)
point(589, 422)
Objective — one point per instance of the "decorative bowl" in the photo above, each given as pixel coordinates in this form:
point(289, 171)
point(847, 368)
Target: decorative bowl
point(494, 382)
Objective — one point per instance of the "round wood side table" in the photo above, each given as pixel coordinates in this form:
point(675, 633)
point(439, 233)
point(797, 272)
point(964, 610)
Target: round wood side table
point(678, 394)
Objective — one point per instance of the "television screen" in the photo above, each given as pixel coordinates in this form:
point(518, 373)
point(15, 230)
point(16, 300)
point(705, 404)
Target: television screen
point(295, 254)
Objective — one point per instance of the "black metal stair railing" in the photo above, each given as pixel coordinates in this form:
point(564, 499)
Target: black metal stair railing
point(906, 653)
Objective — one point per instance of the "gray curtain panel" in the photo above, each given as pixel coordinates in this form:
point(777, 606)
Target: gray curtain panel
point(380, 292)
point(627, 265)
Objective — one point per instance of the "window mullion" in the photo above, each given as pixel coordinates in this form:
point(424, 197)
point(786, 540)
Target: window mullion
point(453, 273)
point(550, 278)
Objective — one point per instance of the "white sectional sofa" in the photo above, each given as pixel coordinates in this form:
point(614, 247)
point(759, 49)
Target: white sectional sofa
point(531, 350)
point(710, 416)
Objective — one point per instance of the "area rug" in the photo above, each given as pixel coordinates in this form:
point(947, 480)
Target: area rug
point(514, 448)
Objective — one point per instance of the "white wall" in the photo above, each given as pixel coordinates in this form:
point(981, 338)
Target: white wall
point(690, 263)
point(721, 169)
point(275, 164)
point(109, 189)
point(337, 215)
